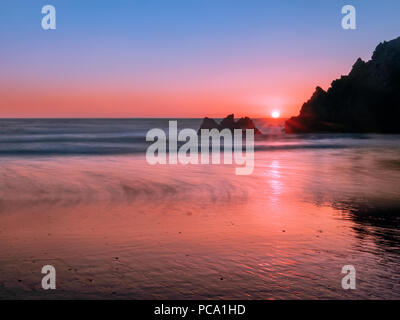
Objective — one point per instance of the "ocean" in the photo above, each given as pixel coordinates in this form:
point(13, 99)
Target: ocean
point(79, 194)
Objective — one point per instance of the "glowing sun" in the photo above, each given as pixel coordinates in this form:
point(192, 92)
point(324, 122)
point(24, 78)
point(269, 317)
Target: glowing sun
point(275, 114)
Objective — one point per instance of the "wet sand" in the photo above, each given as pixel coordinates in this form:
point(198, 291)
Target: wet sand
point(115, 227)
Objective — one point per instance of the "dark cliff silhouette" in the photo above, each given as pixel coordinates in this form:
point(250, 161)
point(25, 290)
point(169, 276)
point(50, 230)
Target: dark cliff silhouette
point(229, 123)
point(366, 100)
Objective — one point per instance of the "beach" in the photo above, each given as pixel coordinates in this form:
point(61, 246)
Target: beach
point(79, 195)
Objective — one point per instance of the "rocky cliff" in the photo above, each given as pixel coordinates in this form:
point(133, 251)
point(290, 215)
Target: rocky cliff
point(366, 100)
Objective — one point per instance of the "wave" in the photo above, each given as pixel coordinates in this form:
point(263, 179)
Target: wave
point(63, 137)
point(49, 183)
point(108, 148)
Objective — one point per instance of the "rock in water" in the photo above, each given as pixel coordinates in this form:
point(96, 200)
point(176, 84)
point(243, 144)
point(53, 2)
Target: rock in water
point(366, 100)
point(229, 123)
point(209, 123)
point(247, 123)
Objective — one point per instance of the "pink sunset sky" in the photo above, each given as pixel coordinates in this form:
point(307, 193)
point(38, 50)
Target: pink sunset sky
point(179, 58)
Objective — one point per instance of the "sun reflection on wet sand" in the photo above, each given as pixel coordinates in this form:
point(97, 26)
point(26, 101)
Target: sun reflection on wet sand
point(274, 180)
point(117, 227)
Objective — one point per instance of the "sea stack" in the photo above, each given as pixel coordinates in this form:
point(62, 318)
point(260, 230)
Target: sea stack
point(229, 123)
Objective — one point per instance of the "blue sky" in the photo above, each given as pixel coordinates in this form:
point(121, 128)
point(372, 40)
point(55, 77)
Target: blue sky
point(160, 55)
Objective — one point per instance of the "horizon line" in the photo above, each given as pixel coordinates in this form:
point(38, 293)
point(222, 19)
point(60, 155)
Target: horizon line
point(127, 118)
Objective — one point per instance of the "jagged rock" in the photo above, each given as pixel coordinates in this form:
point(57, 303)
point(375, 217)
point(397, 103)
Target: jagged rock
point(247, 123)
point(229, 123)
point(366, 100)
point(209, 123)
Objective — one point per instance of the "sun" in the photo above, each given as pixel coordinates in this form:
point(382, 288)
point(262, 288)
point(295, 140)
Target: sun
point(275, 114)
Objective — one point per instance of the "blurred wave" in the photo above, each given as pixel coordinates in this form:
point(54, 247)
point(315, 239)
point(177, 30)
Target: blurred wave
point(38, 137)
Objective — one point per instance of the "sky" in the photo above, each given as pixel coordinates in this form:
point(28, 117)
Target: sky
point(180, 58)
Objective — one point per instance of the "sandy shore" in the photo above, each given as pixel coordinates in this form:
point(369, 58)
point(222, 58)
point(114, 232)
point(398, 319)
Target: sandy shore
point(186, 232)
